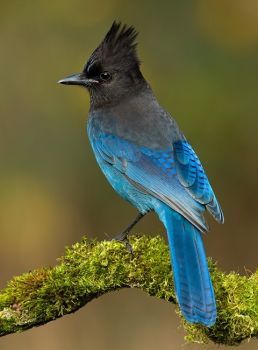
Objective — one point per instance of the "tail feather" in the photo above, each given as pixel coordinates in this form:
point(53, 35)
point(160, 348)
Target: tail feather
point(191, 275)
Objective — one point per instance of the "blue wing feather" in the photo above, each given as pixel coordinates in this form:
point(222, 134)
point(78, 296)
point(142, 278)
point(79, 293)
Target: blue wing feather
point(152, 171)
point(192, 176)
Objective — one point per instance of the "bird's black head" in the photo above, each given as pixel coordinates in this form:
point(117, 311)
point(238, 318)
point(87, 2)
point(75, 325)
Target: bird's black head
point(113, 70)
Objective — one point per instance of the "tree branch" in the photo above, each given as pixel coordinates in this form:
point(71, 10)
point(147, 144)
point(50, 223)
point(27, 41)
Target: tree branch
point(90, 269)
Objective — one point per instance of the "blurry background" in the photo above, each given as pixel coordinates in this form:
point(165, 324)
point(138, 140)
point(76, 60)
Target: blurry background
point(201, 58)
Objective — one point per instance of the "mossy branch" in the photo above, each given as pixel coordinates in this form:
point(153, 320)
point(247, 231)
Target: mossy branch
point(90, 269)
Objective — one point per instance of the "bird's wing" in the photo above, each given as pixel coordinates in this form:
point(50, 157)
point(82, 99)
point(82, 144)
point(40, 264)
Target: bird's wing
point(166, 174)
point(192, 176)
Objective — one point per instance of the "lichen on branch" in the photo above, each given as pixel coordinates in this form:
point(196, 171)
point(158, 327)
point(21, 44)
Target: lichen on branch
point(91, 268)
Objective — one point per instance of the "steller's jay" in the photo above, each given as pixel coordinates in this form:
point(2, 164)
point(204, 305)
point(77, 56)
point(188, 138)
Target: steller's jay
point(148, 161)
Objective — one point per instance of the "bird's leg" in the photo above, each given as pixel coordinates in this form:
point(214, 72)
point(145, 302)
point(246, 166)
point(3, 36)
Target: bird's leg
point(122, 237)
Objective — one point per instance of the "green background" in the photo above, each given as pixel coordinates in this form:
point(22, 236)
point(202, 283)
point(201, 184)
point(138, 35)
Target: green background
point(201, 59)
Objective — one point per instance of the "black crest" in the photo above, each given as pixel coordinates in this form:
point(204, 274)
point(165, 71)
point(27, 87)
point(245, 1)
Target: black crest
point(118, 48)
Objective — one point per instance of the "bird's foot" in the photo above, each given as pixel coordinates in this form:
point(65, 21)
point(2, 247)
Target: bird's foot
point(123, 238)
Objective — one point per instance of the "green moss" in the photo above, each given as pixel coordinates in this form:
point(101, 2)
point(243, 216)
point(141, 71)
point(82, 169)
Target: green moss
point(90, 269)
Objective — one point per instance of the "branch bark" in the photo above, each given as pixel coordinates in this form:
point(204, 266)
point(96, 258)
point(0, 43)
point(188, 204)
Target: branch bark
point(91, 268)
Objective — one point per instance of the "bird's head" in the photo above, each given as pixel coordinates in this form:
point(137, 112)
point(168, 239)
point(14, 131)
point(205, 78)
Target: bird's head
point(113, 70)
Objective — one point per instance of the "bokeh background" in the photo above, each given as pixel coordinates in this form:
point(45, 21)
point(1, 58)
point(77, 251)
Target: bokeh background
point(201, 58)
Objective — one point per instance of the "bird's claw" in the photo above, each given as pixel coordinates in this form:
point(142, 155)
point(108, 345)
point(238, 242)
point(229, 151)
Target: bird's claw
point(124, 239)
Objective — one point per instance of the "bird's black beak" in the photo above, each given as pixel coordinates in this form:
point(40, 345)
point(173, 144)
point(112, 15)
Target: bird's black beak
point(78, 79)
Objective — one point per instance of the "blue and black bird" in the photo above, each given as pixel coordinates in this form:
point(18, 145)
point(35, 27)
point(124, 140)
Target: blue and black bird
point(148, 161)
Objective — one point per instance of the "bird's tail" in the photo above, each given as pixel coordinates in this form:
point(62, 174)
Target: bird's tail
point(191, 275)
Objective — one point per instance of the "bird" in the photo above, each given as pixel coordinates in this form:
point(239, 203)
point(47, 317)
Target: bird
point(148, 161)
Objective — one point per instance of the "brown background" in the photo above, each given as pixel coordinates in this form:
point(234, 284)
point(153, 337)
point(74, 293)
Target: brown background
point(201, 59)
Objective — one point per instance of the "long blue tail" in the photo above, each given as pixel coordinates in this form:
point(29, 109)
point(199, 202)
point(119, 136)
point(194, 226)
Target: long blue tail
point(191, 275)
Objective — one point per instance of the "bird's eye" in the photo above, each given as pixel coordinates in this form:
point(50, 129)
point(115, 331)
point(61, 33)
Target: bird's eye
point(105, 76)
